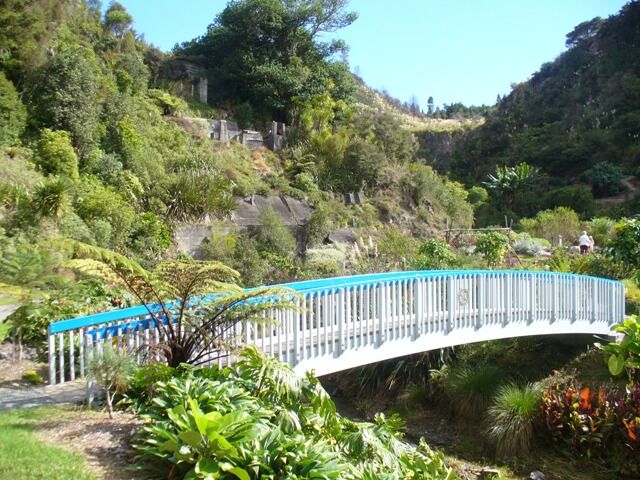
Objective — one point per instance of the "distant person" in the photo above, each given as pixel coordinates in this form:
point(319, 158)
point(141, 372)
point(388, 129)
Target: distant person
point(585, 243)
point(592, 246)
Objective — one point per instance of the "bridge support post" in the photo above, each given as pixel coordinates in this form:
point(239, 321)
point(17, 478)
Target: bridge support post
point(532, 299)
point(508, 299)
point(594, 300)
point(382, 312)
point(52, 359)
point(554, 299)
point(296, 334)
point(418, 298)
point(482, 297)
point(576, 284)
point(451, 304)
point(340, 318)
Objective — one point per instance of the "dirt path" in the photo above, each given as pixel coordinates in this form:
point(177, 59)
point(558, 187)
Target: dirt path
point(632, 185)
point(103, 442)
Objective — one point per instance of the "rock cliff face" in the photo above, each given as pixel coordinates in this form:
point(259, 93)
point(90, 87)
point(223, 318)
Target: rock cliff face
point(294, 213)
point(439, 147)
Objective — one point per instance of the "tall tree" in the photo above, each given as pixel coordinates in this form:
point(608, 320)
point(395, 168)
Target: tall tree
point(267, 52)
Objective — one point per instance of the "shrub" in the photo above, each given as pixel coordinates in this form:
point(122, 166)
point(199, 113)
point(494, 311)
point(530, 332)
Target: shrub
point(625, 354)
point(472, 389)
point(581, 419)
point(13, 115)
point(112, 370)
point(526, 245)
point(576, 197)
point(632, 297)
point(169, 104)
point(95, 202)
point(32, 377)
point(625, 247)
point(599, 265)
point(143, 383)
point(492, 246)
point(434, 254)
point(261, 420)
point(511, 419)
point(606, 179)
point(552, 224)
point(602, 229)
point(55, 154)
point(272, 234)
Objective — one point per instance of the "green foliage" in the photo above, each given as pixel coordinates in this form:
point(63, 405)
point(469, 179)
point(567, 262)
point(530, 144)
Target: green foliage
point(576, 197)
point(55, 154)
point(32, 377)
point(472, 389)
point(602, 229)
point(65, 96)
point(272, 234)
point(396, 247)
point(564, 126)
point(510, 181)
point(606, 179)
point(30, 322)
point(581, 419)
point(112, 370)
point(169, 104)
point(191, 331)
point(478, 196)
point(27, 266)
point(625, 247)
point(267, 54)
point(512, 418)
point(117, 19)
point(51, 198)
point(96, 203)
point(552, 224)
point(262, 420)
point(632, 297)
point(493, 246)
point(13, 115)
point(434, 254)
point(200, 190)
point(425, 186)
point(145, 378)
point(625, 354)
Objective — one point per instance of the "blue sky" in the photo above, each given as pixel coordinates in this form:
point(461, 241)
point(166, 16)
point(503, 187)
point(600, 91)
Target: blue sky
point(453, 50)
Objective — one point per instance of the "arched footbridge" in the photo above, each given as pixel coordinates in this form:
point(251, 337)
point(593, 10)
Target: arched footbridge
point(347, 322)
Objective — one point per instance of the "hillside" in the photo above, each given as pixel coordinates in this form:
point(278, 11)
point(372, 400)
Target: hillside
point(370, 100)
point(577, 118)
point(106, 140)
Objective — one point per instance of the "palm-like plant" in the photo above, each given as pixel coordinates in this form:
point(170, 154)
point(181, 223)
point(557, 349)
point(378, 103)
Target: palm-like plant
point(194, 305)
point(510, 181)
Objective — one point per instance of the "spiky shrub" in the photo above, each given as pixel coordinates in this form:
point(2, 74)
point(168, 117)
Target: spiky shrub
point(112, 370)
point(471, 390)
point(512, 418)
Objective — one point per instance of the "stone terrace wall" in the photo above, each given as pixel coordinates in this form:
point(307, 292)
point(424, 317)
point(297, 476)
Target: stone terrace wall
point(189, 237)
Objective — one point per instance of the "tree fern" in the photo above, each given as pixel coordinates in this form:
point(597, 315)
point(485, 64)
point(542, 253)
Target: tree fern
point(196, 306)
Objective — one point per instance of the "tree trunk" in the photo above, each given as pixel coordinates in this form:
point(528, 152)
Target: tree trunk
point(109, 403)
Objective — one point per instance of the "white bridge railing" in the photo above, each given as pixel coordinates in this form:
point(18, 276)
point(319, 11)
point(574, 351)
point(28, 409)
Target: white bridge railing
point(351, 321)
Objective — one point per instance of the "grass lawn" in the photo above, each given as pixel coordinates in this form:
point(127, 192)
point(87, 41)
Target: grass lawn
point(24, 457)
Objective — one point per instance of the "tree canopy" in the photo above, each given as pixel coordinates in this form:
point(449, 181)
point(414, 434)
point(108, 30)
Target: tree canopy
point(267, 53)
